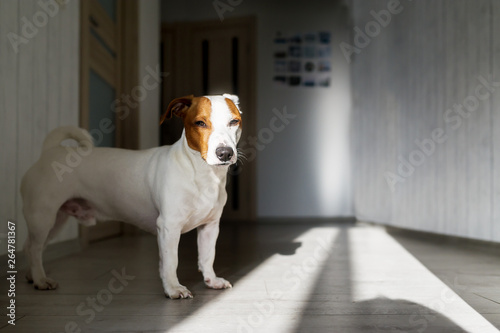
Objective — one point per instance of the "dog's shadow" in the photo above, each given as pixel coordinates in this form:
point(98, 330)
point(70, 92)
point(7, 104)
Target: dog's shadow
point(283, 248)
point(241, 248)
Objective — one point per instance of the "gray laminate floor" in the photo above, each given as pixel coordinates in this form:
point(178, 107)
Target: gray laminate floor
point(287, 278)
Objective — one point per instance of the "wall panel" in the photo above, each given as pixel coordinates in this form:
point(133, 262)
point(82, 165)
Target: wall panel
point(38, 92)
point(424, 62)
point(495, 121)
point(9, 24)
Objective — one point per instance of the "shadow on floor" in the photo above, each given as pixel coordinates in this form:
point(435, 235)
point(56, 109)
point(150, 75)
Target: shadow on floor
point(374, 315)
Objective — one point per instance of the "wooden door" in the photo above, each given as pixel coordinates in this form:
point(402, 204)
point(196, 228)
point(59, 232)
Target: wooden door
point(103, 81)
point(209, 58)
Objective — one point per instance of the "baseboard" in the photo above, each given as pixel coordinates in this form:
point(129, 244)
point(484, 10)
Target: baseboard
point(52, 252)
point(306, 220)
point(443, 239)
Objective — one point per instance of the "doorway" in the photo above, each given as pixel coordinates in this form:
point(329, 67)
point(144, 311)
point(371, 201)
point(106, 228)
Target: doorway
point(108, 69)
point(212, 58)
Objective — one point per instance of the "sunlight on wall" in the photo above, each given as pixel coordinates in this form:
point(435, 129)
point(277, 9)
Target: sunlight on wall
point(332, 164)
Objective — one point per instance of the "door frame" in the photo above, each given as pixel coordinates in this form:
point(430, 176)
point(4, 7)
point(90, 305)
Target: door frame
point(173, 36)
point(125, 73)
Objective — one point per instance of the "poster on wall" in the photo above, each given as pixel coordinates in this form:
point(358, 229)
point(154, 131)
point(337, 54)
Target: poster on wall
point(302, 59)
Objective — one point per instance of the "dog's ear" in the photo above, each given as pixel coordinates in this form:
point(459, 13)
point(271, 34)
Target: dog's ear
point(178, 107)
point(234, 98)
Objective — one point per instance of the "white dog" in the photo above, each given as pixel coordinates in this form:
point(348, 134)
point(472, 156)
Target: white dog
point(167, 191)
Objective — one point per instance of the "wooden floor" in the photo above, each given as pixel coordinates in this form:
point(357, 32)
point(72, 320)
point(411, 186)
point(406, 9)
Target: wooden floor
point(286, 278)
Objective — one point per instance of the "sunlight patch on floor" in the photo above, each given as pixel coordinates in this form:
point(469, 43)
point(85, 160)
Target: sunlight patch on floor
point(280, 286)
point(382, 269)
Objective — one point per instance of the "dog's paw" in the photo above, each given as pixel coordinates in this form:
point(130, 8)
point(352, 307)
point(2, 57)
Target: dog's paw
point(29, 277)
point(217, 283)
point(45, 284)
point(178, 292)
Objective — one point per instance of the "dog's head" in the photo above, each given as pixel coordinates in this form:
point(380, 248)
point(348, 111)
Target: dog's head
point(212, 125)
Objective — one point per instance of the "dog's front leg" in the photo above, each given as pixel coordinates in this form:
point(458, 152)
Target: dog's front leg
point(168, 244)
point(207, 237)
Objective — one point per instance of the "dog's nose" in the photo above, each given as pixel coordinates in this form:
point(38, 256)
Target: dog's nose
point(224, 153)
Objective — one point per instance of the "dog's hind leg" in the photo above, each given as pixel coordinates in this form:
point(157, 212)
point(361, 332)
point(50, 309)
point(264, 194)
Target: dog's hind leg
point(35, 244)
point(61, 219)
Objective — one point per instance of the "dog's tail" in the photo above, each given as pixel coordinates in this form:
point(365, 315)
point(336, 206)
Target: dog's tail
point(60, 134)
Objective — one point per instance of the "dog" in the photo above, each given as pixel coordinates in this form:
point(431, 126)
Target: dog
point(167, 191)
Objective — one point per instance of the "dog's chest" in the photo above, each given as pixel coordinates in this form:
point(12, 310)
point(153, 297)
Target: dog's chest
point(203, 203)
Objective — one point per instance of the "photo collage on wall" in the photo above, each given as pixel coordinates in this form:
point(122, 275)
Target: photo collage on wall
point(302, 60)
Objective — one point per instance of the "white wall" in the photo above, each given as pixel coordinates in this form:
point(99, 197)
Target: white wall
point(423, 63)
point(305, 170)
point(38, 92)
point(149, 57)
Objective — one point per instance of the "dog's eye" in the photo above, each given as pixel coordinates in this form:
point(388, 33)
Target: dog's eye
point(234, 122)
point(200, 123)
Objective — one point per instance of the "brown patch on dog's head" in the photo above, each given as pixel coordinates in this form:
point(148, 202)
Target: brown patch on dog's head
point(198, 126)
point(195, 111)
point(235, 112)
